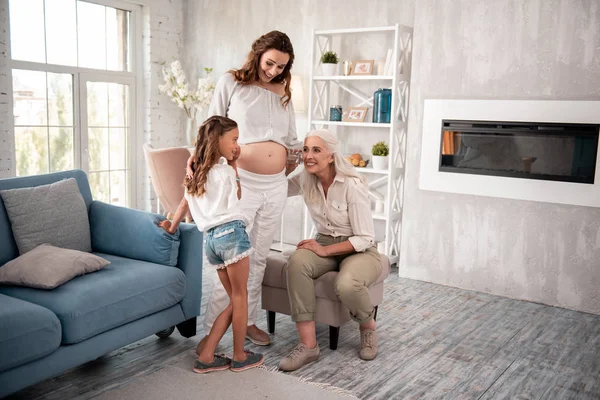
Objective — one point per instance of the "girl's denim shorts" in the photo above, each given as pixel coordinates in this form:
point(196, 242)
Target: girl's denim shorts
point(227, 244)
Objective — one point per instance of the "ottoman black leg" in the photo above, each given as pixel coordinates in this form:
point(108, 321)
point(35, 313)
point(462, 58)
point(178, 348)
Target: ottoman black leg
point(334, 335)
point(271, 321)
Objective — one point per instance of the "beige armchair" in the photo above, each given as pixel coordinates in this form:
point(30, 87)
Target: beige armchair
point(167, 171)
point(330, 309)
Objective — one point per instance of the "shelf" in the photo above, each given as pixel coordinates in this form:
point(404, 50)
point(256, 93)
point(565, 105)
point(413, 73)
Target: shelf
point(367, 170)
point(355, 30)
point(401, 78)
point(281, 247)
point(361, 124)
point(379, 216)
point(384, 185)
point(385, 217)
point(353, 78)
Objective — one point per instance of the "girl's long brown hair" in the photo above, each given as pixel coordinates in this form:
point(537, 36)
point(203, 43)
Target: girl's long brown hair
point(207, 152)
point(248, 74)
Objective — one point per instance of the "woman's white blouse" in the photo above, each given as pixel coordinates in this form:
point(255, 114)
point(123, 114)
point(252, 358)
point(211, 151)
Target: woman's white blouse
point(345, 212)
point(219, 204)
point(258, 112)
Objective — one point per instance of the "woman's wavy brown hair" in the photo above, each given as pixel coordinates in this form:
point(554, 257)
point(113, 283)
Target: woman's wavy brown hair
point(248, 74)
point(207, 152)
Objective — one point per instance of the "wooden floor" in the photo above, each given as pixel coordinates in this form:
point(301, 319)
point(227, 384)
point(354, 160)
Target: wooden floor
point(435, 342)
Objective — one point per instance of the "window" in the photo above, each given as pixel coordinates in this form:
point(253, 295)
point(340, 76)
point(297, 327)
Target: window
point(43, 121)
point(74, 86)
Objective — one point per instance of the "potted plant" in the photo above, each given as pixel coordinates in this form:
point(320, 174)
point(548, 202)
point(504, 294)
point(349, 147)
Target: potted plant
point(329, 61)
point(380, 152)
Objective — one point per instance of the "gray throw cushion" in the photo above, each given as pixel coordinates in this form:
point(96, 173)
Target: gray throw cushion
point(47, 267)
point(55, 214)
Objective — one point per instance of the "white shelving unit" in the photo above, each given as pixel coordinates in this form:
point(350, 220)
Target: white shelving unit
point(388, 184)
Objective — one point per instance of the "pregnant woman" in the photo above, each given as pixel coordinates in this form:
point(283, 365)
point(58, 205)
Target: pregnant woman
point(258, 97)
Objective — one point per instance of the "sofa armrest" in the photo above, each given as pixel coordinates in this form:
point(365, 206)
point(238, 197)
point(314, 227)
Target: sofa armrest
point(135, 234)
point(190, 262)
point(131, 233)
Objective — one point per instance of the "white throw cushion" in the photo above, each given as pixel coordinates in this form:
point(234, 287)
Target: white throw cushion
point(47, 267)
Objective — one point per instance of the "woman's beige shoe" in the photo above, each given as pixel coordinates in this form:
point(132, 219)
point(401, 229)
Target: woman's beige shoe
point(299, 357)
point(368, 344)
point(258, 336)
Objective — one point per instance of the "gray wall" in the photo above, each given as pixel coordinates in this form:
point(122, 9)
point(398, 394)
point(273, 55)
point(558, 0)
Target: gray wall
point(502, 49)
point(493, 49)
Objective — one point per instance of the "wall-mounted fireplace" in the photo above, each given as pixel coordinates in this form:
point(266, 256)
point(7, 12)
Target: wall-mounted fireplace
point(529, 150)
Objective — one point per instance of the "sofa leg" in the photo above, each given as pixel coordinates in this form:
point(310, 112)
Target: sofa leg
point(271, 321)
point(375, 315)
point(187, 328)
point(334, 334)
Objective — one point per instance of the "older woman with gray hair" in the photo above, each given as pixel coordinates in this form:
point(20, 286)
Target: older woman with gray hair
point(337, 198)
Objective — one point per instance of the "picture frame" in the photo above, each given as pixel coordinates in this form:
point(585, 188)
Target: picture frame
point(355, 114)
point(362, 67)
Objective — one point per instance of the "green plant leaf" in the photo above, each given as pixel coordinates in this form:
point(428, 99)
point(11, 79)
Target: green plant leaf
point(380, 149)
point(329, 57)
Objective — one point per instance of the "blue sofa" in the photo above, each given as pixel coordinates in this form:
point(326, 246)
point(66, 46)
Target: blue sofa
point(154, 282)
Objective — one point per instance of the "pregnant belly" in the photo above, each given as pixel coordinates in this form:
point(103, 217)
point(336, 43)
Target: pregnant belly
point(265, 158)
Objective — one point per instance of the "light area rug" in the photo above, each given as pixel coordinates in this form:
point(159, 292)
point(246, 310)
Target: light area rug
point(178, 381)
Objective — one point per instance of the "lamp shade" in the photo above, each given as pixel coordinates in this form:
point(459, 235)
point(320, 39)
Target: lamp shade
point(297, 94)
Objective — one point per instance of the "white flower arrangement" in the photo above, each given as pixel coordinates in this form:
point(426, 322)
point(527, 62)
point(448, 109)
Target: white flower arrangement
point(177, 88)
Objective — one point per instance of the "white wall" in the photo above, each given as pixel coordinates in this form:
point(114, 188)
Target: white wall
point(164, 122)
point(502, 49)
point(219, 34)
point(6, 137)
point(162, 25)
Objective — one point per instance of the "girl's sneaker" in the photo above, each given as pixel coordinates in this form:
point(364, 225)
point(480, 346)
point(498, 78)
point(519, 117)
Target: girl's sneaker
point(252, 360)
point(219, 363)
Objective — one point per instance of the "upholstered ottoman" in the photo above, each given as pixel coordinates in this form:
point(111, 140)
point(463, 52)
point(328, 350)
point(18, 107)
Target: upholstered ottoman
point(330, 309)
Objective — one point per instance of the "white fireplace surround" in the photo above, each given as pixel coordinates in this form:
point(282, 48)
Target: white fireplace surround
point(435, 110)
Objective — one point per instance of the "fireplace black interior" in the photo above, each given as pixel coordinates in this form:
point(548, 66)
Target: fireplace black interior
point(530, 150)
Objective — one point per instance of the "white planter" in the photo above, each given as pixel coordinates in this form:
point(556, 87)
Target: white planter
point(380, 162)
point(329, 69)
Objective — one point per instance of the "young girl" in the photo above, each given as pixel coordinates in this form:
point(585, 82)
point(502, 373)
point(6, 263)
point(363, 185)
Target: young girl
point(211, 196)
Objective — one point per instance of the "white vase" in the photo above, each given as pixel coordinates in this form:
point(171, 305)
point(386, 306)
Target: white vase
point(329, 69)
point(191, 131)
point(380, 162)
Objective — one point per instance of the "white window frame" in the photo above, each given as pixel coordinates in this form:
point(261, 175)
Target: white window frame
point(132, 78)
point(132, 125)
